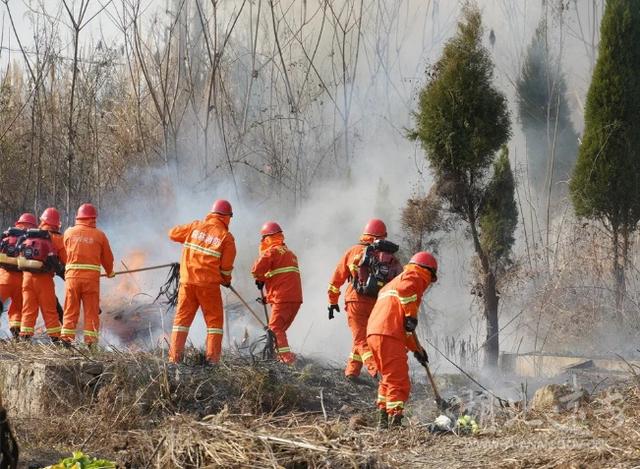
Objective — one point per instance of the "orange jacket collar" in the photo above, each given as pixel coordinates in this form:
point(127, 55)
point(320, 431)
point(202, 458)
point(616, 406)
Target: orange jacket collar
point(224, 219)
point(90, 222)
point(47, 227)
point(271, 240)
point(423, 273)
point(367, 239)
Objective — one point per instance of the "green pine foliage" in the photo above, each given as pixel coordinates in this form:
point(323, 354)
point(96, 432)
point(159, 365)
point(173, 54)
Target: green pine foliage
point(461, 122)
point(463, 119)
point(606, 181)
point(545, 115)
point(499, 213)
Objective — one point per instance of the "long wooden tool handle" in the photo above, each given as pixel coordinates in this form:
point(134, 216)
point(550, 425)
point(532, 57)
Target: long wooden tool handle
point(428, 370)
point(143, 269)
point(253, 313)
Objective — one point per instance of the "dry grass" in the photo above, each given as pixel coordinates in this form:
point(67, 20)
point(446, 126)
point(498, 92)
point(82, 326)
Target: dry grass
point(246, 414)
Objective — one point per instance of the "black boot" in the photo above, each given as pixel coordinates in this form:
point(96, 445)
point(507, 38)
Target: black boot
point(395, 421)
point(15, 332)
point(383, 419)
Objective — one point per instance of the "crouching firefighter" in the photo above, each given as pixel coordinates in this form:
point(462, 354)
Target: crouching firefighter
point(42, 255)
point(10, 275)
point(87, 249)
point(276, 270)
point(390, 333)
point(367, 266)
point(208, 253)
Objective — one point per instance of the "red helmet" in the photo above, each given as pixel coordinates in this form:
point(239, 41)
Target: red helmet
point(375, 227)
point(27, 219)
point(223, 207)
point(51, 217)
point(269, 228)
point(86, 211)
point(426, 260)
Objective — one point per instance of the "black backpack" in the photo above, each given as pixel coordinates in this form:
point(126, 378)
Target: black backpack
point(377, 267)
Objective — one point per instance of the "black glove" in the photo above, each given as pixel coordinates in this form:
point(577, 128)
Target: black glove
point(410, 323)
point(227, 285)
point(333, 308)
point(259, 284)
point(421, 356)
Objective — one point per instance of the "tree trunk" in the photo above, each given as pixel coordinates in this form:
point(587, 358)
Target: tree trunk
point(489, 295)
point(618, 272)
point(492, 343)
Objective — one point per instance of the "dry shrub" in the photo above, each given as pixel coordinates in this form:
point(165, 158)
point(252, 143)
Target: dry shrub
point(567, 296)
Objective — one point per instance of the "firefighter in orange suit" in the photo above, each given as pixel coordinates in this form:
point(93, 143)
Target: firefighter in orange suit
point(358, 307)
point(11, 277)
point(87, 249)
point(38, 289)
point(276, 269)
point(207, 259)
point(390, 333)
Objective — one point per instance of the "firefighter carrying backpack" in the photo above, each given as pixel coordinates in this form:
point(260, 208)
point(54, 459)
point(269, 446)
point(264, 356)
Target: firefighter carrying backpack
point(37, 252)
point(9, 248)
point(377, 267)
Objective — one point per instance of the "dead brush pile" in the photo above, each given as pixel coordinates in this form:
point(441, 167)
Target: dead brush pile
point(135, 400)
point(249, 414)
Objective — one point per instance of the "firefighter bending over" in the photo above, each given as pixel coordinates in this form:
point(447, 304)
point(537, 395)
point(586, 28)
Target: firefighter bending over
point(390, 333)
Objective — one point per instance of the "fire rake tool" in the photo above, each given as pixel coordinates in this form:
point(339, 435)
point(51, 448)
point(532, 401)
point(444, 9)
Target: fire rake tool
point(143, 269)
point(440, 402)
point(271, 344)
point(246, 305)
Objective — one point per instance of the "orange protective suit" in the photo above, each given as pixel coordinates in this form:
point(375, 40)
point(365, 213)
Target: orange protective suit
point(207, 261)
point(358, 308)
point(388, 339)
point(87, 249)
point(38, 293)
point(277, 267)
point(11, 287)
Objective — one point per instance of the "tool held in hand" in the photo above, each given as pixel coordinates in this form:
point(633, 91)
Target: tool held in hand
point(246, 305)
point(143, 269)
point(440, 402)
point(271, 344)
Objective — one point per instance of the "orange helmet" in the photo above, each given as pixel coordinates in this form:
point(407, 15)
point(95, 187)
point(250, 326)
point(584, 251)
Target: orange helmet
point(27, 219)
point(269, 228)
point(51, 217)
point(426, 260)
point(86, 211)
point(223, 207)
point(376, 228)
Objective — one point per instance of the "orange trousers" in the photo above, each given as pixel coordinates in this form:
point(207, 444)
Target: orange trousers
point(87, 292)
point(357, 317)
point(38, 293)
point(209, 299)
point(390, 355)
point(282, 315)
point(13, 289)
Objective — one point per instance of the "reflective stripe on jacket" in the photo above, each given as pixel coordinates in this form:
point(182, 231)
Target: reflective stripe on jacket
point(278, 268)
point(399, 298)
point(208, 250)
point(87, 248)
point(345, 270)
